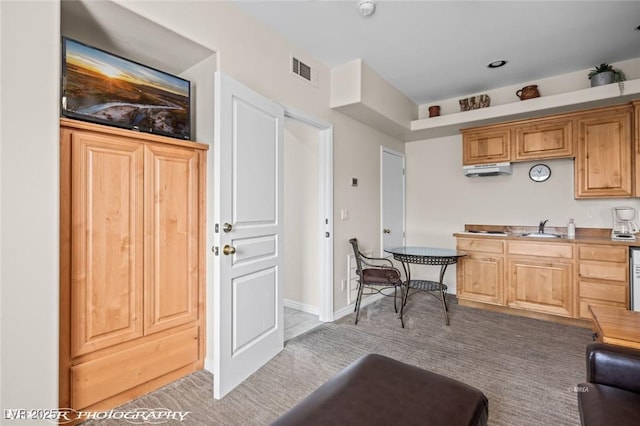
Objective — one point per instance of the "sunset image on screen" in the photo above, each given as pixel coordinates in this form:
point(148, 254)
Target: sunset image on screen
point(110, 89)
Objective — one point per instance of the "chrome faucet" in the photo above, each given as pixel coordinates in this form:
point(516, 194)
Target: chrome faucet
point(541, 226)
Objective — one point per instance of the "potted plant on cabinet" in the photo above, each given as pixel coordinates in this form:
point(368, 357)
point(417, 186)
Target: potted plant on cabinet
point(606, 74)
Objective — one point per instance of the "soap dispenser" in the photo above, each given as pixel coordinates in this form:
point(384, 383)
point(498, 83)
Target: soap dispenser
point(571, 229)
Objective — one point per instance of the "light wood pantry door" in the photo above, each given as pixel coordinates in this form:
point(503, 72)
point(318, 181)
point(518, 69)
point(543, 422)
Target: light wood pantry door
point(172, 264)
point(107, 241)
point(131, 263)
point(248, 294)
point(603, 155)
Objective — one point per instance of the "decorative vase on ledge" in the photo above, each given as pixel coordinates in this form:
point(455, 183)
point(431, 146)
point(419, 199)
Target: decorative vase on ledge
point(602, 78)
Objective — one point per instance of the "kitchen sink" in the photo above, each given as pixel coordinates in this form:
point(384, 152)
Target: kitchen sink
point(541, 235)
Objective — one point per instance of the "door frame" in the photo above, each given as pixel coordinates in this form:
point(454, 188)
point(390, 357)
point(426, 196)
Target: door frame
point(325, 190)
point(383, 150)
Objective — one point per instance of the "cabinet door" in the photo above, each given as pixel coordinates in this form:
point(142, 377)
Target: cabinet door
point(603, 158)
point(541, 285)
point(172, 231)
point(107, 241)
point(543, 139)
point(486, 146)
point(481, 278)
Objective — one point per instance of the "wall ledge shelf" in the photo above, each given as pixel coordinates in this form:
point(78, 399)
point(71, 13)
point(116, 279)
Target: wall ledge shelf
point(450, 124)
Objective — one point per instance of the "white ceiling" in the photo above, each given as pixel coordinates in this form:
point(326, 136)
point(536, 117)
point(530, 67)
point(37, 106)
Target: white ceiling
point(436, 50)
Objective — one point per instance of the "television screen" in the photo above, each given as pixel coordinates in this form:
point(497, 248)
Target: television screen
point(105, 88)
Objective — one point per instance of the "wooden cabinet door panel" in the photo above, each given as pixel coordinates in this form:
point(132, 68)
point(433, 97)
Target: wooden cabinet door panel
point(107, 241)
point(603, 160)
point(486, 146)
point(481, 278)
point(541, 286)
point(543, 139)
point(172, 232)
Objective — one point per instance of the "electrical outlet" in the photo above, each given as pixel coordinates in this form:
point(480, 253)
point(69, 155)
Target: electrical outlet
point(590, 214)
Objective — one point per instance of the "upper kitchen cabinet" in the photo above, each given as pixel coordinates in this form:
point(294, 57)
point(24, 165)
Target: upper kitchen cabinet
point(543, 139)
point(486, 145)
point(603, 153)
point(525, 140)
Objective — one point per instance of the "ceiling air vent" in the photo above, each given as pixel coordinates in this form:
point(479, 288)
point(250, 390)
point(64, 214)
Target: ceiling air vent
point(304, 70)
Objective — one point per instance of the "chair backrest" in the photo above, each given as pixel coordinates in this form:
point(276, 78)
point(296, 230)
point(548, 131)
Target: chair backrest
point(356, 254)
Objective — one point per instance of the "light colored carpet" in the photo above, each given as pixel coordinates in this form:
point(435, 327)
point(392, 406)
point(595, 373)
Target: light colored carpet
point(527, 368)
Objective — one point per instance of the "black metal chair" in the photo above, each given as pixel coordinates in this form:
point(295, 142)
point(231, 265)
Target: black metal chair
point(377, 274)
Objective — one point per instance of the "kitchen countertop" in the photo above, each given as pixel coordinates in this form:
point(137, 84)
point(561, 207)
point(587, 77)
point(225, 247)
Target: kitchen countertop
point(511, 232)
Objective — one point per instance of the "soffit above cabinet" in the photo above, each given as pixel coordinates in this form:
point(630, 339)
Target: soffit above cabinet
point(111, 27)
point(375, 103)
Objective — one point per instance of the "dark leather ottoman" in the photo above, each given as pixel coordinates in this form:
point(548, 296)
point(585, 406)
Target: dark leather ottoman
point(377, 390)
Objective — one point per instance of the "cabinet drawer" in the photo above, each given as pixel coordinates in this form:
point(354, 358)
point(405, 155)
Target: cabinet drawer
point(584, 306)
point(603, 253)
point(603, 271)
point(481, 244)
point(528, 248)
point(98, 379)
point(603, 291)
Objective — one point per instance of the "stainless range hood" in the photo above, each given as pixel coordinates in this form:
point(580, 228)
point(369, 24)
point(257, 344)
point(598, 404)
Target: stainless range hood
point(492, 169)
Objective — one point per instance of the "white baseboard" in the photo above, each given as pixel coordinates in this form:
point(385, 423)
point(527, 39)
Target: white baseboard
point(309, 309)
point(349, 309)
point(209, 365)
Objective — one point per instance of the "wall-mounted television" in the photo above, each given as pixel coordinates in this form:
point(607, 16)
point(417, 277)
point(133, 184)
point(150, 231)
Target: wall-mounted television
point(105, 88)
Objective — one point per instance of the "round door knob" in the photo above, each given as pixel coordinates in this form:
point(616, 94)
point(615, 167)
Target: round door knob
point(386, 231)
point(227, 249)
point(227, 227)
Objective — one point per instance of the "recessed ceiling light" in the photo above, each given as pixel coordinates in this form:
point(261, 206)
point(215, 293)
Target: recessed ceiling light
point(497, 64)
point(366, 7)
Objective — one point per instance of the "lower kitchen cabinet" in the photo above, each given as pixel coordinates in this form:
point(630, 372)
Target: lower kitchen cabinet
point(481, 272)
point(542, 279)
point(603, 274)
point(541, 285)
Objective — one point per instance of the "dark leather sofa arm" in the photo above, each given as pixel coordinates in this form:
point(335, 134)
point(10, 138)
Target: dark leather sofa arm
point(613, 365)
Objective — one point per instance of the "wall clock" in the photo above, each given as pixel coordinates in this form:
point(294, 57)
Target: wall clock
point(539, 172)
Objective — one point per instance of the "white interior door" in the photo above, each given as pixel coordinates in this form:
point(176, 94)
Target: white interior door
point(392, 198)
point(248, 152)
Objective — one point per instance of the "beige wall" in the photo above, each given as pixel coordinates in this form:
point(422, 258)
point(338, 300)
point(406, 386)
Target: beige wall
point(302, 219)
point(29, 191)
point(259, 58)
point(441, 200)
point(29, 194)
